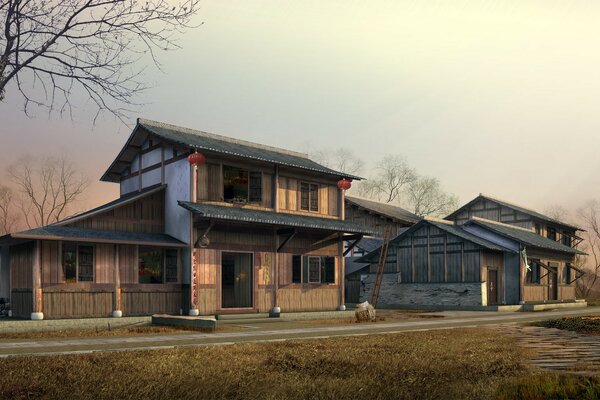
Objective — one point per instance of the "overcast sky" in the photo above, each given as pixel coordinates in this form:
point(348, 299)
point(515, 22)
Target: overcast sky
point(500, 97)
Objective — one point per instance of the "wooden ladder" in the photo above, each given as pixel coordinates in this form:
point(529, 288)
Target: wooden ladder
point(387, 233)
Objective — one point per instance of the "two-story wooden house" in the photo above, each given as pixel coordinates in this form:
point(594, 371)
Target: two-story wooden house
point(205, 224)
point(488, 253)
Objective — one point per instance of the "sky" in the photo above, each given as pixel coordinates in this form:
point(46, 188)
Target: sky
point(499, 97)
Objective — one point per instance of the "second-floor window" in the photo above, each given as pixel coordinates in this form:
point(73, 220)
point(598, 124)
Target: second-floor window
point(566, 240)
point(309, 197)
point(241, 185)
point(551, 233)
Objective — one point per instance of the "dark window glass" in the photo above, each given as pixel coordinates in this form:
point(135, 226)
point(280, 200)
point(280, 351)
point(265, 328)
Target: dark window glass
point(171, 266)
point(296, 269)
point(533, 275)
point(235, 184)
point(86, 263)
point(255, 186)
point(150, 265)
point(566, 240)
point(551, 233)
point(327, 269)
point(538, 229)
point(314, 269)
point(567, 274)
point(309, 196)
point(69, 262)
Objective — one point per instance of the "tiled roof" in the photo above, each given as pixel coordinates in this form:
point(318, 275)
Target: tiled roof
point(53, 232)
point(524, 236)
point(242, 214)
point(199, 140)
point(388, 210)
point(521, 209)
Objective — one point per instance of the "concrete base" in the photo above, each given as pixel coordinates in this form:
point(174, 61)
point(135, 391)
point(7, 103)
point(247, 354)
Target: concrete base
point(194, 312)
point(209, 323)
point(117, 314)
point(555, 306)
point(37, 316)
point(275, 312)
point(342, 308)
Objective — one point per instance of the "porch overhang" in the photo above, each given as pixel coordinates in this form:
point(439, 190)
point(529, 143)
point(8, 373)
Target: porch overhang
point(271, 218)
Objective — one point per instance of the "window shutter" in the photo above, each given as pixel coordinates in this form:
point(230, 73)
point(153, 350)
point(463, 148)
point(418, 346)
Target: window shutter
point(296, 269)
point(304, 269)
point(328, 270)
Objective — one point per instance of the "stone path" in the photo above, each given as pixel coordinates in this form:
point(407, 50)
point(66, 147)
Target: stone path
point(558, 350)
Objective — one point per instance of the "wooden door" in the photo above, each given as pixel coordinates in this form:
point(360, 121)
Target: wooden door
point(492, 287)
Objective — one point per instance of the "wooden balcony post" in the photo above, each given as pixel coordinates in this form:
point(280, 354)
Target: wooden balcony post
point(341, 272)
point(117, 312)
point(276, 311)
point(37, 312)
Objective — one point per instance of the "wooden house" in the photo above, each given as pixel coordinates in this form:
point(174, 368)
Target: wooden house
point(204, 225)
point(489, 253)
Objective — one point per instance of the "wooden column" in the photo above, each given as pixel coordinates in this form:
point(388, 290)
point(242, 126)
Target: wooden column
point(276, 189)
point(523, 277)
point(341, 272)
point(445, 258)
point(428, 256)
point(342, 203)
point(117, 312)
point(37, 312)
point(276, 309)
point(462, 261)
point(193, 256)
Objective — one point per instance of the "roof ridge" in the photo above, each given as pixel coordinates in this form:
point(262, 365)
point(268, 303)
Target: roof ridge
point(501, 224)
point(441, 220)
point(228, 139)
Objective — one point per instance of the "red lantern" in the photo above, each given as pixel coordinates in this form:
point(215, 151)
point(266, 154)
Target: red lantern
point(344, 184)
point(197, 158)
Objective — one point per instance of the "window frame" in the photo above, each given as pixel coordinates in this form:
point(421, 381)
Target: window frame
point(529, 275)
point(77, 266)
point(164, 265)
point(310, 186)
point(249, 198)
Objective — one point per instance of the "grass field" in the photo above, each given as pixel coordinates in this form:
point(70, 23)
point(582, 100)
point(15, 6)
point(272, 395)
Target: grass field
point(461, 364)
point(588, 325)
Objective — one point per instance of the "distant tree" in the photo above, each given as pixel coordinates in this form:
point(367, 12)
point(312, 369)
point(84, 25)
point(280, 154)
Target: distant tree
point(426, 198)
point(8, 216)
point(48, 189)
point(50, 48)
point(558, 213)
point(590, 217)
point(341, 159)
point(392, 176)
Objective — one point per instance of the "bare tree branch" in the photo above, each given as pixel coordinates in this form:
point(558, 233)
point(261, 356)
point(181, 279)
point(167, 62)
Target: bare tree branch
point(87, 45)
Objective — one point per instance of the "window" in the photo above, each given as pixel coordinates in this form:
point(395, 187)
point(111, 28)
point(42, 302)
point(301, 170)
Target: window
point(241, 186)
point(533, 275)
point(538, 228)
point(551, 233)
point(171, 266)
point(150, 265)
point(566, 239)
point(313, 269)
point(77, 263)
point(309, 197)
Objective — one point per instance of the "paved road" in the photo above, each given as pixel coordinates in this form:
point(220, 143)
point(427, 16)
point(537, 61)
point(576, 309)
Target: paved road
point(268, 332)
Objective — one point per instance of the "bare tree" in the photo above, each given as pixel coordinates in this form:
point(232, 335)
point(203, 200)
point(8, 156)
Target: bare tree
point(341, 159)
point(426, 198)
point(50, 48)
point(557, 212)
point(48, 188)
point(589, 215)
point(8, 217)
point(393, 175)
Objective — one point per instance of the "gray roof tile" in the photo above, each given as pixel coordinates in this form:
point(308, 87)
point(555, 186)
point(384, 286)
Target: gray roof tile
point(388, 210)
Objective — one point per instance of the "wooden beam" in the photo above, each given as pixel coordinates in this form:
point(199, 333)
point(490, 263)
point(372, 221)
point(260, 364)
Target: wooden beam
point(204, 233)
point(349, 249)
point(286, 240)
point(286, 231)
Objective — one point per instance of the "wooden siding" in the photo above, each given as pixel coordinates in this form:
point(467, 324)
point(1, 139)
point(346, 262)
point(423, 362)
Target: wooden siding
point(128, 264)
point(494, 261)
point(147, 302)
point(491, 210)
point(21, 266)
point(321, 298)
point(77, 304)
point(143, 215)
point(540, 292)
point(289, 197)
point(373, 220)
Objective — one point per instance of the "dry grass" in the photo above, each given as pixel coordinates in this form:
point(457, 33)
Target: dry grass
point(587, 325)
point(551, 386)
point(382, 315)
point(462, 364)
point(105, 332)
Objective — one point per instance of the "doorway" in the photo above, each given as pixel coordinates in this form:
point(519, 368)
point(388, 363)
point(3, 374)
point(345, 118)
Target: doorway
point(492, 287)
point(236, 280)
point(552, 286)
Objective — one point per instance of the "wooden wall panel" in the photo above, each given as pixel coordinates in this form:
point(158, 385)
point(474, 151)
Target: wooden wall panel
point(215, 186)
point(320, 298)
point(323, 199)
point(203, 182)
point(264, 300)
point(144, 215)
point(77, 304)
point(52, 271)
point(535, 293)
point(267, 191)
point(128, 264)
point(21, 303)
point(21, 266)
point(566, 292)
point(105, 261)
point(282, 193)
point(136, 302)
point(292, 195)
point(333, 199)
point(207, 300)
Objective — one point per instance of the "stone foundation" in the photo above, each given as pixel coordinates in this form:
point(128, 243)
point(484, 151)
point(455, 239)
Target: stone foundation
point(443, 295)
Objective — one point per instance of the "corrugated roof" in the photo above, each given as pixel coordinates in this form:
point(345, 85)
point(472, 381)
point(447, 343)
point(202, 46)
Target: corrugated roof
point(200, 140)
point(445, 226)
point(524, 236)
point(369, 244)
point(125, 199)
point(521, 209)
point(385, 209)
point(241, 214)
point(351, 266)
point(53, 232)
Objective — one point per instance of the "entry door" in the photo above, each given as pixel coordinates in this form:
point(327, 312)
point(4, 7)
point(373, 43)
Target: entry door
point(236, 280)
point(552, 286)
point(492, 287)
